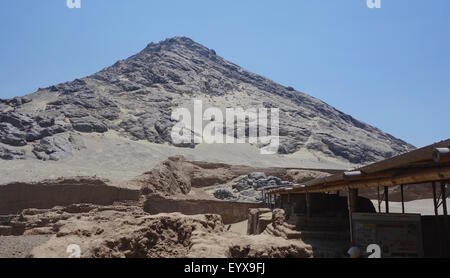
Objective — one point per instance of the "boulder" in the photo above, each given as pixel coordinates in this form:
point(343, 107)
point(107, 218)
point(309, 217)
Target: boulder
point(224, 194)
point(88, 125)
point(7, 153)
point(57, 147)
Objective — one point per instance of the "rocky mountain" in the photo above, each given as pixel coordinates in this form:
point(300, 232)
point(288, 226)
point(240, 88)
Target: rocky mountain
point(135, 98)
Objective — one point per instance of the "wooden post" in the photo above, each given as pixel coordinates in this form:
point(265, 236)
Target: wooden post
point(271, 201)
point(446, 224)
point(386, 198)
point(290, 209)
point(403, 199)
point(436, 212)
point(308, 205)
point(379, 200)
point(352, 199)
point(280, 198)
point(444, 197)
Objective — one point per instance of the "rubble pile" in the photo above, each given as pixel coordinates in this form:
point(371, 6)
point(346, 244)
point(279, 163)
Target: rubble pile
point(247, 188)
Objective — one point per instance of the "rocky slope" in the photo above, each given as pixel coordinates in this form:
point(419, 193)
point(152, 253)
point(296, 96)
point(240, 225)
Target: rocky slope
point(135, 98)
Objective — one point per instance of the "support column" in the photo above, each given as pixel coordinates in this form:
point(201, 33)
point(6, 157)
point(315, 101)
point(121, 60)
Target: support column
point(379, 200)
point(446, 224)
point(281, 201)
point(436, 212)
point(444, 197)
point(386, 198)
point(403, 199)
point(290, 210)
point(352, 199)
point(308, 205)
point(269, 201)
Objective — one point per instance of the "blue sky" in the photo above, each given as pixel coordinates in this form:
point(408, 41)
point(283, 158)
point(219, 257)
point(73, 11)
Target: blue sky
point(389, 67)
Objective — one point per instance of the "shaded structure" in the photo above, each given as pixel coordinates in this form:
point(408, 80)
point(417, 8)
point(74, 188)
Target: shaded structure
point(428, 165)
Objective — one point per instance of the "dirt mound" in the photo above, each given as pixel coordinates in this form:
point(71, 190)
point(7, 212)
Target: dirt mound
point(167, 178)
point(302, 176)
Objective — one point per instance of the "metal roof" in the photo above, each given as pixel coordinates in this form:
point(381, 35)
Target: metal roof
point(427, 164)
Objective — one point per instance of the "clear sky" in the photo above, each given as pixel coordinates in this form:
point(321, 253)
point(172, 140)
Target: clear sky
point(389, 67)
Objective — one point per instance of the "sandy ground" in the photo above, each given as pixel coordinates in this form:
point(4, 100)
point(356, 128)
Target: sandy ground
point(424, 207)
point(119, 159)
point(19, 246)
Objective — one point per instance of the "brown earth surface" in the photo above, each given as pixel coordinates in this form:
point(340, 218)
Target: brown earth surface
point(48, 216)
point(123, 231)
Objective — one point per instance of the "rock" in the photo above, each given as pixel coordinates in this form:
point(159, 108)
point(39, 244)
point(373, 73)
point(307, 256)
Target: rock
point(278, 217)
point(56, 147)
point(88, 124)
point(8, 153)
point(223, 194)
point(249, 188)
point(45, 122)
point(15, 119)
point(18, 129)
point(12, 137)
point(257, 176)
point(242, 185)
point(17, 101)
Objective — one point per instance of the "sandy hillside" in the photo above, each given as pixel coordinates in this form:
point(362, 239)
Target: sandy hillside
point(120, 159)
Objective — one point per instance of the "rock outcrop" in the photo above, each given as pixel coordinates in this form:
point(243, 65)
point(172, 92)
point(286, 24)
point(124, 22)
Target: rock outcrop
point(136, 96)
point(248, 188)
point(9, 153)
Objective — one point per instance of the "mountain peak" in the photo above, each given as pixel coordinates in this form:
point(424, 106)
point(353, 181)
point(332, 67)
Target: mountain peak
point(179, 44)
point(135, 97)
point(178, 40)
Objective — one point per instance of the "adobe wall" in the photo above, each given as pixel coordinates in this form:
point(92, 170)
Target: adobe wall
point(231, 212)
point(15, 197)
